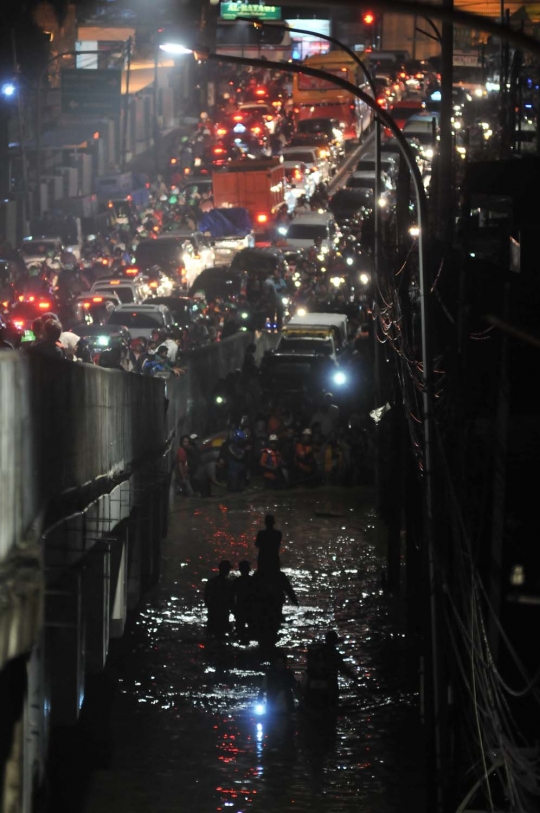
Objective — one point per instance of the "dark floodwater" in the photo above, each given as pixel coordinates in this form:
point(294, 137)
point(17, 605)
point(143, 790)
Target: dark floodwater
point(184, 730)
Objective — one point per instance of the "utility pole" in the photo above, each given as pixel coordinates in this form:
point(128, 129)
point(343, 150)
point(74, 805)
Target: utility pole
point(156, 99)
point(26, 208)
point(445, 158)
point(126, 106)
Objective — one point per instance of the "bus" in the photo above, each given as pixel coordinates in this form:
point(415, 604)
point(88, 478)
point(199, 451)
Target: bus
point(316, 98)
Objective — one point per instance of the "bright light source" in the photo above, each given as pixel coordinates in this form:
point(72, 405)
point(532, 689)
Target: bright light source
point(364, 279)
point(301, 312)
point(340, 379)
point(436, 96)
point(478, 92)
point(175, 48)
point(103, 341)
point(349, 261)
point(336, 281)
point(219, 399)
point(428, 154)
point(382, 202)
point(414, 231)
point(8, 89)
point(368, 18)
point(260, 708)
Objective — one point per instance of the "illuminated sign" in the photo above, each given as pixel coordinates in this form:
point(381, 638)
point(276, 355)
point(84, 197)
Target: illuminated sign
point(231, 10)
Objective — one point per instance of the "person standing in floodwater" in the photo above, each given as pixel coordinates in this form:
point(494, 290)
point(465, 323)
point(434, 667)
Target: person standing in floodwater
point(268, 543)
point(218, 600)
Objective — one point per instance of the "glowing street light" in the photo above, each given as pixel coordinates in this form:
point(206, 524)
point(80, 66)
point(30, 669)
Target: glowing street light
point(8, 89)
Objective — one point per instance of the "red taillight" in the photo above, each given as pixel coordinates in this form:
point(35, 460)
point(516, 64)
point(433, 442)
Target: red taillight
point(419, 75)
point(21, 299)
point(86, 304)
point(104, 262)
point(256, 130)
point(97, 299)
point(187, 170)
point(381, 100)
point(262, 218)
point(238, 117)
point(132, 271)
point(31, 298)
point(44, 305)
point(296, 110)
point(297, 175)
point(115, 282)
point(222, 131)
point(153, 285)
point(260, 92)
point(218, 151)
point(18, 324)
point(174, 161)
point(402, 75)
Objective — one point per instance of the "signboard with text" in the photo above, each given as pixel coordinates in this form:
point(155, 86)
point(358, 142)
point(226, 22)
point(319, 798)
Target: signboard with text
point(232, 10)
point(91, 92)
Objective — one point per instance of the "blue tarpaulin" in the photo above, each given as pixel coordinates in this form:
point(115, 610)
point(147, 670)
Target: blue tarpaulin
point(234, 222)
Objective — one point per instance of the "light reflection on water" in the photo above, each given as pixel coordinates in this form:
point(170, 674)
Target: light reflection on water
point(187, 708)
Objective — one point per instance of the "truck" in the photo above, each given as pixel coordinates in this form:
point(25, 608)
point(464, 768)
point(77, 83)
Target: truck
point(255, 185)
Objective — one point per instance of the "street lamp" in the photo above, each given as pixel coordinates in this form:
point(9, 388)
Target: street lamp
point(8, 89)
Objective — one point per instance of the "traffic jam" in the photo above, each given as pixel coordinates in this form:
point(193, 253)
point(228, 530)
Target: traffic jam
point(262, 220)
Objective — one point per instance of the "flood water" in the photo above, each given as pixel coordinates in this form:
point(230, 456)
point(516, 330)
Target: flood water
point(184, 732)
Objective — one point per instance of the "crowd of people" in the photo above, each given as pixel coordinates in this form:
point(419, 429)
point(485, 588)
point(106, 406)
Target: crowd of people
point(256, 601)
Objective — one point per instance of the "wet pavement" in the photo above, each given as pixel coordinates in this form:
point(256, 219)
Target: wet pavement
point(184, 732)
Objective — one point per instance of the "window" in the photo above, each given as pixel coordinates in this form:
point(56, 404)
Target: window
point(307, 231)
point(137, 319)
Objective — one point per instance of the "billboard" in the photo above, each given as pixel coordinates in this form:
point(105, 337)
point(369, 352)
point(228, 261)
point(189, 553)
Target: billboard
point(91, 92)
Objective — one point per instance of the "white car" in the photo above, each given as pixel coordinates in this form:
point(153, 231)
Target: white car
point(319, 168)
point(141, 320)
point(305, 228)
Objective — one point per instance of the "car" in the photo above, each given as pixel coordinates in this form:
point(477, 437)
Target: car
point(181, 255)
point(253, 111)
point(324, 148)
point(220, 282)
point(365, 179)
point(305, 228)
point(128, 291)
point(103, 337)
point(402, 111)
point(348, 204)
point(99, 306)
point(330, 128)
point(388, 165)
point(318, 167)
point(22, 314)
point(423, 129)
point(142, 320)
point(182, 308)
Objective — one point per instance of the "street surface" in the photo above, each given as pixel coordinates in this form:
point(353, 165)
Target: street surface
point(184, 733)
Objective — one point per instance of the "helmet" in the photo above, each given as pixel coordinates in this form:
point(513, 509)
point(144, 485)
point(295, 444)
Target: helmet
point(273, 439)
point(184, 139)
point(331, 637)
point(239, 436)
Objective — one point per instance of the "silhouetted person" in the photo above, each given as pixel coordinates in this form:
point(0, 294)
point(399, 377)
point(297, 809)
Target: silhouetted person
point(268, 542)
point(279, 686)
point(218, 600)
point(270, 588)
point(242, 601)
point(324, 663)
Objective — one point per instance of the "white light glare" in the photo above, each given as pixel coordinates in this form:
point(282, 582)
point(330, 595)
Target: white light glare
point(349, 261)
point(364, 279)
point(259, 709)
point(414, 231)
point(340, 379)
point(174, 48)
point(8, 89)
point(301, 312)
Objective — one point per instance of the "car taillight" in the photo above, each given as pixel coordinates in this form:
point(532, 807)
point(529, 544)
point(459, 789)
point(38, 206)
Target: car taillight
point(115, 282)
point(419, 75)
point(218, 150)
point(238, 118)
point(297, 175)
point(222, 131)
point(86, 304)
point(260, 92)
point(97, 299)
point(153, 285)
point(132, 271)
point(18, 324)
point(187, 170)
point(381, 100)
point(44, 305)
point(173, 161)
point(262, 218)
point(256, 130)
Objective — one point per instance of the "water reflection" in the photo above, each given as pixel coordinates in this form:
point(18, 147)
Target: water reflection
point(187, 711)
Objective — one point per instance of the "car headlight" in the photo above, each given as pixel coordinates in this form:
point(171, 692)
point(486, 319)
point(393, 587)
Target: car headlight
point(285, 300)
point(220, 399)
point(339, 378)
point(244, 315)
point(350, 261)
point(103, 341)
point(364, 279)
point(282, 230)
point(428, 153)
point(301, 312)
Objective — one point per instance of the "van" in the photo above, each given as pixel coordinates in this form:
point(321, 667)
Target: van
point(127, 291)
point(320, 325)
point(306, 228)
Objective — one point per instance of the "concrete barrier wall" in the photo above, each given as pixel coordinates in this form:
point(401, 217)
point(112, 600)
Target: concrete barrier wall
point(18, 483)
